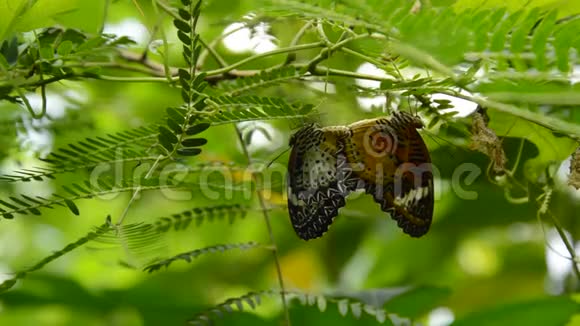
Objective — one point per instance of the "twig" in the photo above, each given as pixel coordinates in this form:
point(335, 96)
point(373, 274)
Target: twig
point(265, 211)
point(554, 124)
point(156, 67)
point(209, 48)
point(567, 243)
point(247, 60)
point(326, 52)
point(292, 56)
point(138, 191)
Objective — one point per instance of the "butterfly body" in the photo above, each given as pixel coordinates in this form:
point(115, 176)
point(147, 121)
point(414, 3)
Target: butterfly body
point(386, 157)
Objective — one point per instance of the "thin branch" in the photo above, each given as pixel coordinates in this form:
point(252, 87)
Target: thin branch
point(168, 9)
point(138, 191)
point(327, 52)
point(255, 57)
point(567, 243)
point(155, 67)
point(569, 129)
point(43, 99)
point(230, 72)
point(210, 48)
point(292, 56)
point(266, 213)
point(7, 284)
point(363, 57)
point(104, 18)
point(130, 79)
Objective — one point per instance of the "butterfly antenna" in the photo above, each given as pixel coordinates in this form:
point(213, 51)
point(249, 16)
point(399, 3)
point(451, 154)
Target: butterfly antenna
point(277, 157)
point(435, 137)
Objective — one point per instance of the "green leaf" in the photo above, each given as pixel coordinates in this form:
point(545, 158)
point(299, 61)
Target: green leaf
point(166, 134)
point(307, 108)
point(182, 26)
point(197, 8)
point(551, 148)
point(387, 84)
point(189, 151)
point(539, 40)
point(531, 92)
point(47, 53)
point(183, 37)
point(184, 14)
point(166, 144)
point(342, 307)
point(187, 54)
point(70, 191)
point(198, 80)
point(519, 35)
point(321, 303)
point(176, 114)
point(10, 9)
point(7, 284)
point(6, 215)
point(356, 309)
point(91, 44)
point(564, 39)
point(65, 48)
point(194, 142)
point(184, 74)
point(185, 95)
point(42, 13)
point(498, 39)
point(72, 206)
point(186, 87)
point(199, 128)
point(3, 62)
point(174, 126)
point(123, 40)
point(554, 311)
point(416, 302)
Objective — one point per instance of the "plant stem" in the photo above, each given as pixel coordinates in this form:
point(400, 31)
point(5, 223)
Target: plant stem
point(265, 211)
point(292, 56)
point(569, 129)
point(263, 55)
point(138, 191)
point(567, 243)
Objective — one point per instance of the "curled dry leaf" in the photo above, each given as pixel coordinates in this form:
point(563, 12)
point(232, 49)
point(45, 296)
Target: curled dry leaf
point(574, 179)
point(485, 140)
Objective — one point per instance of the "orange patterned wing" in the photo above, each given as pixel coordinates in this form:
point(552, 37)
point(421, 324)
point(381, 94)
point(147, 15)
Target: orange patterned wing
point(391, 159)
point(317, 179)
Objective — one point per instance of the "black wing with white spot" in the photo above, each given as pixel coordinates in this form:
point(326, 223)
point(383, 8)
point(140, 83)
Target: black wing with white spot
point(317, 177)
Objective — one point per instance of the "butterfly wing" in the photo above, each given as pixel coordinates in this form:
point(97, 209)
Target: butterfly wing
point(391, 159)
point(316, 179)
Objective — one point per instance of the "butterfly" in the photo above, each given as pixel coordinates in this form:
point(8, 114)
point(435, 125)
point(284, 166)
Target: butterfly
point(385, 157)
